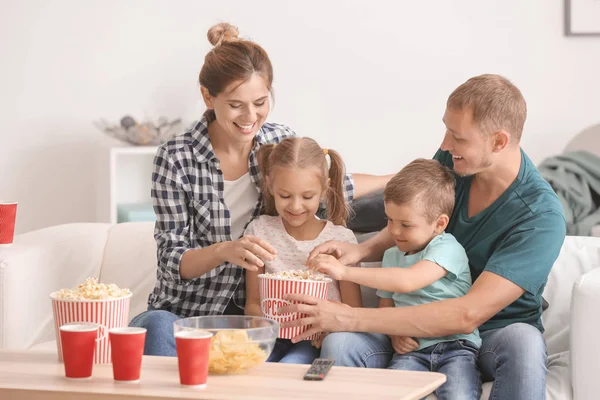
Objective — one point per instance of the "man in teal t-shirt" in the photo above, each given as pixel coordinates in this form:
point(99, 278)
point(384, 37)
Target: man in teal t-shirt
point(517, 237)
point(512, 226)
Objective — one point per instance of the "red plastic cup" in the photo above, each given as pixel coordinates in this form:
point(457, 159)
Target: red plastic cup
point(127, 349)
point(192, 357)
point(78, 340)
point(8, 216)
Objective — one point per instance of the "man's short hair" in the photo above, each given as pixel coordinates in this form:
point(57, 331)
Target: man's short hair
point(495, 103)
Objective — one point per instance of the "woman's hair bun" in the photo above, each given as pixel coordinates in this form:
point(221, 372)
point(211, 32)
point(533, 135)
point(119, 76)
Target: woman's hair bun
point(221, 33)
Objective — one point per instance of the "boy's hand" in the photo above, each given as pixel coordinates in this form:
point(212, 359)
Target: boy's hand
point(319, 341)
point(329, 265)
point(404, 344)
point(347, 253)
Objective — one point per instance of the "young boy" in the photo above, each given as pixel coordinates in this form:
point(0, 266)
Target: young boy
point(426, 265)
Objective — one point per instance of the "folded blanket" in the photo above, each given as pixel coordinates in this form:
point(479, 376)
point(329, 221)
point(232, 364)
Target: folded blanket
point(575, 177)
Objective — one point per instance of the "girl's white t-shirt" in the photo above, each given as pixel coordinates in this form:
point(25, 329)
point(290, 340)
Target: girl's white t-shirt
point(240, 198)
point(292, 253)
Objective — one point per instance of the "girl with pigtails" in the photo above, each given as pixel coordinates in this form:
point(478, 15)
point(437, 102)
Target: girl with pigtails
point(296, 181)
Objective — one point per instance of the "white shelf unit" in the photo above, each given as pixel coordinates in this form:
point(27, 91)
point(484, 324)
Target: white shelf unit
point(130, 178)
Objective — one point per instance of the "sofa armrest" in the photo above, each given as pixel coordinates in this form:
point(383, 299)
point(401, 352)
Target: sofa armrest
point(37, 264)
point(585, 327)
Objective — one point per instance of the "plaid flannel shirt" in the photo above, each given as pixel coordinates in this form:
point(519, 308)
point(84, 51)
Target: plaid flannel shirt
point(187, 193)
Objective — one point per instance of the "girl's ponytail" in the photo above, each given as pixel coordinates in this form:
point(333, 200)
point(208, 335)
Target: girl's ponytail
point(337, 209)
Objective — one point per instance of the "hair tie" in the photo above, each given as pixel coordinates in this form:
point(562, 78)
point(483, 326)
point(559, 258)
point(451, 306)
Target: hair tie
point(325, 151)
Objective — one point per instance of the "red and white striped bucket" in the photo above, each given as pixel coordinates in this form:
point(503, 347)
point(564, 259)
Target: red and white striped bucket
point(272, 291)
point(108, 313)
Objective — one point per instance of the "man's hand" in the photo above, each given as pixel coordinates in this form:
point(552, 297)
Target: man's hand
point(404, 344)
point(346, 253)
point(322, 315)
point(328, 264)
point(319, 341)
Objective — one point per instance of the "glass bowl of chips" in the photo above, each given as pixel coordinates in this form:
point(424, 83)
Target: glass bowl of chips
point(239, 342)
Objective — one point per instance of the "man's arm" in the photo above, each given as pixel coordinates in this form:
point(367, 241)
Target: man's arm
point(521, 263)
point(365, 184)
point(489, 295)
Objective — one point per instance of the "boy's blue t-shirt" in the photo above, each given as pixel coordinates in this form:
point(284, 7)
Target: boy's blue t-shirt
point(445, 251)
point(518, 237)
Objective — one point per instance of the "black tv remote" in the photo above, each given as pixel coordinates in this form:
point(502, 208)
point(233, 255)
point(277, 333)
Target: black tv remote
point(318, 369)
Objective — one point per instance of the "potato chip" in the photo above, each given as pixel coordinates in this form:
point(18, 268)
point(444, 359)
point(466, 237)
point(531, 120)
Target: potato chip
point(232, 351)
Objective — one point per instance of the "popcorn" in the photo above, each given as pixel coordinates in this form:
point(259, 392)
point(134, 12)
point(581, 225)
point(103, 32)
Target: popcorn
point(298, 275)
point(92, 290)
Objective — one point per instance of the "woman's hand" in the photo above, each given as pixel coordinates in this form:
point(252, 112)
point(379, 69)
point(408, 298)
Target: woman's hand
point(404, 344)
point(248, 252)
point(346, 253)
point(328, 264)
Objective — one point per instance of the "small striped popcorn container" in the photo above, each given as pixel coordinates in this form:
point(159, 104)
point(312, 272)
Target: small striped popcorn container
point(108, 313)
point(272, 291)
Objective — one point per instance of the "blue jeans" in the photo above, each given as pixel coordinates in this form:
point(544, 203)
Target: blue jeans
point(513, 357)
point(456, 359)
point(160, 339)
point(289, 353)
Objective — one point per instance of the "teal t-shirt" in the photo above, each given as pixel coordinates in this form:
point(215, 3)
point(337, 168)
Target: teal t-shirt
point(518, 237)
point(445, 251)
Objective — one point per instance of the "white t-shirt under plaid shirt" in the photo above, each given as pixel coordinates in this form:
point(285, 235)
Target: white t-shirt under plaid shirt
point(187, 192)
point(292, 253)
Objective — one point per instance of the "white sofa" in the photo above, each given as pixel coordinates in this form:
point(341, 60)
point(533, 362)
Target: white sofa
point(62, 256)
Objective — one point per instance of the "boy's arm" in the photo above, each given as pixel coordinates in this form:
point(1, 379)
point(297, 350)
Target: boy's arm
point(350, 294)
point(401, 280)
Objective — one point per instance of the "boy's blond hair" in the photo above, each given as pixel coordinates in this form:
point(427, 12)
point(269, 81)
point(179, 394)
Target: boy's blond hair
point(495, 103)
point(426, 182)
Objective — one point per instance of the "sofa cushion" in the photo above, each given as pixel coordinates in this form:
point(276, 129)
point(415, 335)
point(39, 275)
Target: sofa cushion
point(367, 213)
point(577, 256)
point(130, 261)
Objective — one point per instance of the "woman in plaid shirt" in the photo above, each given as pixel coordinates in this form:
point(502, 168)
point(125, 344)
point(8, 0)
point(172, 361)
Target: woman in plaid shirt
point(205, 190)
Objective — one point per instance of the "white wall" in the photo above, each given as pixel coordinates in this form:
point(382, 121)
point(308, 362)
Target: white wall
point(368, 78)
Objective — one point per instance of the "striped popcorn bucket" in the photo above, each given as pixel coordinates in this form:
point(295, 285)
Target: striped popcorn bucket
point(108, 313)
point(272, 291)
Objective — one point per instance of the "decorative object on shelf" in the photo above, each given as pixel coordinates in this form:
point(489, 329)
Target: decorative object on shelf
point(146, 133)
point(582, 17)
point(135, 212)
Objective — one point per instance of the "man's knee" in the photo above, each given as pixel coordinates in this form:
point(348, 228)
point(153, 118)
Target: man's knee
point(524, 339)
point(520, 344)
